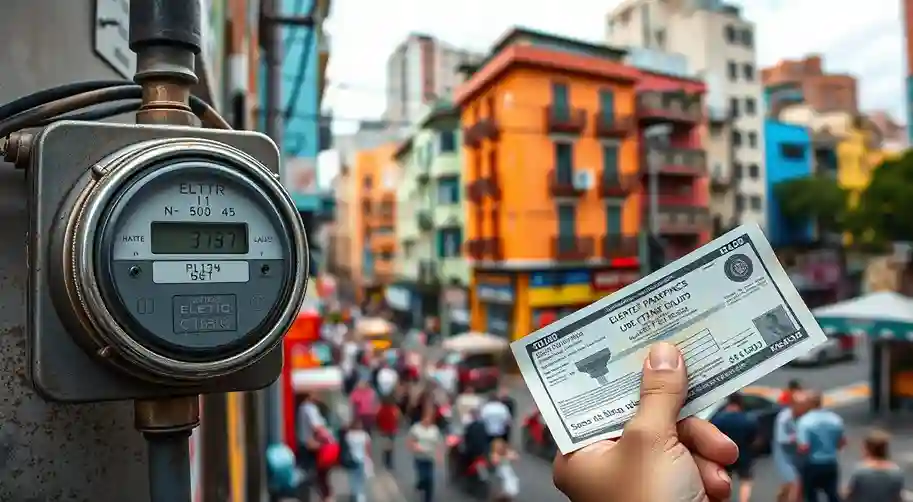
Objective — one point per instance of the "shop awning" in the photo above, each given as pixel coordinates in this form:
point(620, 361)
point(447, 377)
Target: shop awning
point(882, 315)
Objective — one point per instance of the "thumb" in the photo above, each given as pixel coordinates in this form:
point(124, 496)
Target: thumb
point(662, 390)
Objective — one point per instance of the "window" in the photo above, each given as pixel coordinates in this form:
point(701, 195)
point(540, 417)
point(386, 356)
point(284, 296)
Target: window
point(730, 34)
point(613, 219)
point(747, 38)
point(607, 104)
point(661, 39)
point(564, 163)
point(753, 139)
point(448, 141)
point(754, 171)
point(751, 106)
point(792, 151)
point(739, 203)
point(610, 163)
point(733, 70)
point(738, 170)
point(734, 106)
point(561, 101)
point(567, 220)
point(736, 138)
point(756, 202)
point(748, 71)
point(448, 190)
point(449, 242)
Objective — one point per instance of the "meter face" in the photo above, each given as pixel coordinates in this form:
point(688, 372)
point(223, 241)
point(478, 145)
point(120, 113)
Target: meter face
point(193, 260)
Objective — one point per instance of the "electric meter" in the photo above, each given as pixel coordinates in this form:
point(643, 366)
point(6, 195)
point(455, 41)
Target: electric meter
point(180, 260)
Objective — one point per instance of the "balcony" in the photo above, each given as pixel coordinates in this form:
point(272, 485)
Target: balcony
point(383, 242)
point(678, 161)
point(564, 120)
point(618, 246)
point(486, 128)
point(676, 107)
point(614, 185)
point(425, 221)
point(477, 190)
point(564, 185)
point(489, 248)
point(720, 183)
point(683, 220)
point(611, 126)
point(428, 273)
point(573, 248)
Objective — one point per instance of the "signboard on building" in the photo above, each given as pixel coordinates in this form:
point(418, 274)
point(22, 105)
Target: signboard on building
point(112, 36)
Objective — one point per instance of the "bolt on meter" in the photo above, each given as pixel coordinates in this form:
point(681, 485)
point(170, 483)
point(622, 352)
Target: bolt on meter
point(174, 260)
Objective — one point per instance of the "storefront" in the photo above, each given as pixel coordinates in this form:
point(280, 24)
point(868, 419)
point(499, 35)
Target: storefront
point(557, 294)
point(455, 310)
point(495, 297)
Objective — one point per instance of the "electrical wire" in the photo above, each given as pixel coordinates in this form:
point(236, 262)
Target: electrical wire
point(37, 114)
point(99, 113)
point(46, 96)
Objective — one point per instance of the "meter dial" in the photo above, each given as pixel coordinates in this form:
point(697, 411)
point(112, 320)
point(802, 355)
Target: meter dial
point(192, 259)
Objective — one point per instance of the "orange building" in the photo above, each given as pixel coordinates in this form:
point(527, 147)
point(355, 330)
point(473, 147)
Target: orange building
point(375, 176)
point(552, 162)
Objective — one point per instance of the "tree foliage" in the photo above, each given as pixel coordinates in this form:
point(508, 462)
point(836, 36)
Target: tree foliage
point(814, 198)
point(884, 212)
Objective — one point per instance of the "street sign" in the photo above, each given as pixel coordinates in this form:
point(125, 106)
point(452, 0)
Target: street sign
point(112, 39)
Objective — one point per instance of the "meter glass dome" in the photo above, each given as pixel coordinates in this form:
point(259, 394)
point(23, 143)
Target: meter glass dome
point(193, 259)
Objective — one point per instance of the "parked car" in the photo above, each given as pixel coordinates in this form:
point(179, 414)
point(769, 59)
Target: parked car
point(836, 348)
point(762, 408)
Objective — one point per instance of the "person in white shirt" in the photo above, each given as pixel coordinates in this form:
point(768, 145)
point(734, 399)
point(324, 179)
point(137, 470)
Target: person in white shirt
point(496, 417)
point(387, 378)
point(359, 464)
point(465, 405)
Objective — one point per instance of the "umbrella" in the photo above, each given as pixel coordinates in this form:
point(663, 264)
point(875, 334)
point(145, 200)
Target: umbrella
point(885, 314)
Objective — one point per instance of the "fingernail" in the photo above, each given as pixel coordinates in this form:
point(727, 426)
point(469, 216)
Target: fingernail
point(664, 356)
point(724, 476)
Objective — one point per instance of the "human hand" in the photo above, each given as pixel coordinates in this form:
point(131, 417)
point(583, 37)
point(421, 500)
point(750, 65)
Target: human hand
point(655, 459)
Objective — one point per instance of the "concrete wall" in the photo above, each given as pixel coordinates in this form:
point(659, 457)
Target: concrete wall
point(49, 451)
point(783, 167)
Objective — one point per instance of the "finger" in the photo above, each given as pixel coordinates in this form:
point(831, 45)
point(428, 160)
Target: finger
point(717, 483)
point(569, 471)
point(662, 392)
point(704, 439)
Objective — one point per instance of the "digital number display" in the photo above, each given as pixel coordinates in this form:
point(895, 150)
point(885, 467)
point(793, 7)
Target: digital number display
point(179, 237)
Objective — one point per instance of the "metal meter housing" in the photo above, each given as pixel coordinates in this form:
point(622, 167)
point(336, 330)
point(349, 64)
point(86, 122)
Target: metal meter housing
point(164, 261)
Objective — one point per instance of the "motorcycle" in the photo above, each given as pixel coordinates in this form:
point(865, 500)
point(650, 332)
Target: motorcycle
point(470, 476)
point(537, 440)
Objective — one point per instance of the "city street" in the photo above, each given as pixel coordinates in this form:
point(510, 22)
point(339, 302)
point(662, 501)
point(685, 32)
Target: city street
point(843, 384)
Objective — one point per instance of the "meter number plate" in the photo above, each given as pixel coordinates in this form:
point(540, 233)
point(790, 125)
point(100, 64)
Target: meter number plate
point(191, 272)
point(204, 313)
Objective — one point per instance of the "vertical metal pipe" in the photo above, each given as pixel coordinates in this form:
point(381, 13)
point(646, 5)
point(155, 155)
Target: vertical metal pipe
point(273, 48)
point(169, 467)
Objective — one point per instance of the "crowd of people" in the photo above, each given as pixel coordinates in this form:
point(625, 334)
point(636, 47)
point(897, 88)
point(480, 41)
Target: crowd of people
point(398, 395)
point(806, 448)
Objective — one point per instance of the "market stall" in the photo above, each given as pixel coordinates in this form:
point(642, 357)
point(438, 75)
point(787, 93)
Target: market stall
point(886, 320)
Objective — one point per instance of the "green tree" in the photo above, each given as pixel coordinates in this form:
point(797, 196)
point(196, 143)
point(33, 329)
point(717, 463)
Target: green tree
point(814, 198)
point(884, 213)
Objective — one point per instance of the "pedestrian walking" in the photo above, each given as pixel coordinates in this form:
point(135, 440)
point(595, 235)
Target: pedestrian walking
point(426, 444)
point(364, 402)
point(497, 418)
point(388, 417)
point(742, 429)
point(785, 450)
point(355, 458)
point(502, 458)
point(792, 387)
point(876, 477)
point(820, 435)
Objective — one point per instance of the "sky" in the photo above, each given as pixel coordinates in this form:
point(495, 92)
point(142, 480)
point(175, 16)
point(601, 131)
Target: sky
point(866, 42)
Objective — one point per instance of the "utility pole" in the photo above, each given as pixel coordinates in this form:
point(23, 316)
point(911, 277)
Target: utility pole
point(52, 451)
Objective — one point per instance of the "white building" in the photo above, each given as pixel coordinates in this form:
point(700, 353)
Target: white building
point(719, 45)
point(421, 70)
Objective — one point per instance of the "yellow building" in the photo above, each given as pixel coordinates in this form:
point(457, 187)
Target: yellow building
point(859, 153)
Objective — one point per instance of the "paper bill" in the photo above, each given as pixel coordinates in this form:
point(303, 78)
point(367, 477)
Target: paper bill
point(729, 306)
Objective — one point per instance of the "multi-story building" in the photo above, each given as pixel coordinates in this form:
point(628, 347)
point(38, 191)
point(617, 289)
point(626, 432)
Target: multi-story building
point(420, 71)
point(342, 253)
point(719, 45)
point(789, 156)
point(430, 217)
point(894, 135)
point(553, 173)
point(821, 90)
point(859, 153)
point(373, 203)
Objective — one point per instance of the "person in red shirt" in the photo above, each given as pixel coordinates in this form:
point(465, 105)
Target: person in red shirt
point(786, 397)
point(364, 403)
point(387, 424)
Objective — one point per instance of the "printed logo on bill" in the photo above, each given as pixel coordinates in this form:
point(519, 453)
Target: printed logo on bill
point(728, 306)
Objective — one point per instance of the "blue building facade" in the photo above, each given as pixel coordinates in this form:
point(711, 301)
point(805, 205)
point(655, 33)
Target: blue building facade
point(789, 156)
